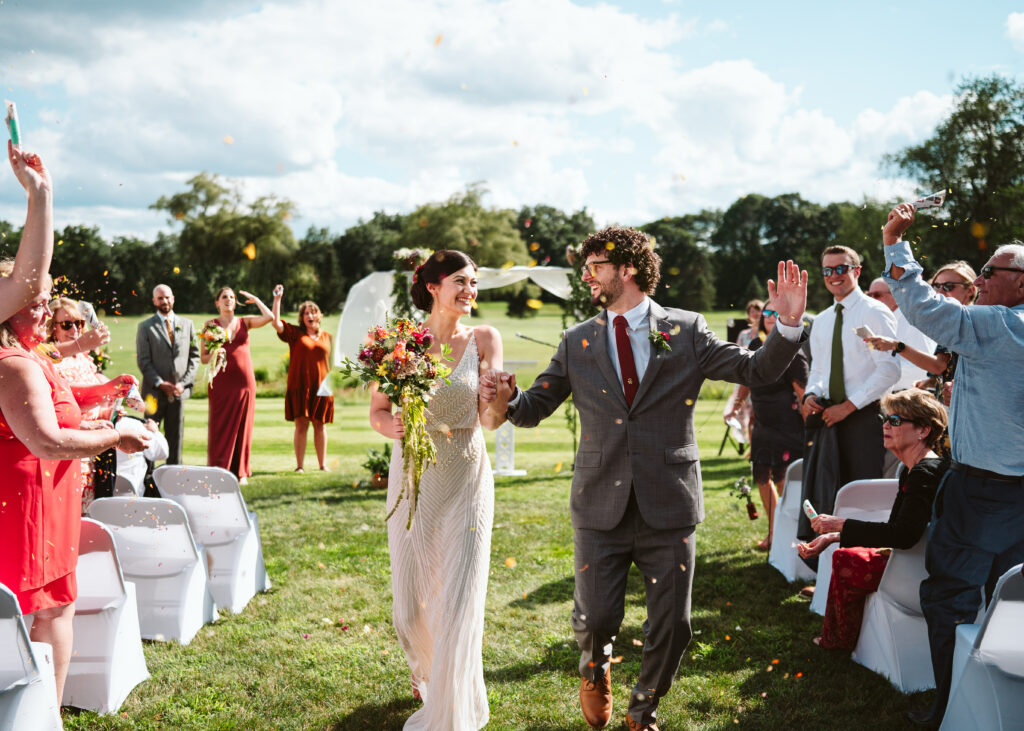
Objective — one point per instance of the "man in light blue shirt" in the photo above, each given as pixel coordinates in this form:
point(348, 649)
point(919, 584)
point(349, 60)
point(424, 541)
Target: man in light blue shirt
point(977, 529)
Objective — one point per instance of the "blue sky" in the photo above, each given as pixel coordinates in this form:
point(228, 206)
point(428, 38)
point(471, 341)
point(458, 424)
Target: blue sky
point(634, 110)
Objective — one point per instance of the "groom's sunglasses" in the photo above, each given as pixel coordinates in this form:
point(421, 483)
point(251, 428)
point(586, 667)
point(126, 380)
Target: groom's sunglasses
point(839, 269)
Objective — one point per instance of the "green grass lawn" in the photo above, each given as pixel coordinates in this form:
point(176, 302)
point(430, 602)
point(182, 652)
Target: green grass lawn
point(286, 663)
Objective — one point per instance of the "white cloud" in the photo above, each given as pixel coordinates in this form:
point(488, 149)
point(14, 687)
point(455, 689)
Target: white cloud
point(1015, 30)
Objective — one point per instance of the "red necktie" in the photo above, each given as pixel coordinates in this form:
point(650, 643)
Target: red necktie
point(630, 382)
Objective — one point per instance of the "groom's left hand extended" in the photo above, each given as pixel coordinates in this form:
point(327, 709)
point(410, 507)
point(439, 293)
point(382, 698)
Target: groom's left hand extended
point(790, 294)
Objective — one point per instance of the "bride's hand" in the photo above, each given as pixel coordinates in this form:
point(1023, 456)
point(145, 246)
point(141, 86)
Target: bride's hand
point(397, 425)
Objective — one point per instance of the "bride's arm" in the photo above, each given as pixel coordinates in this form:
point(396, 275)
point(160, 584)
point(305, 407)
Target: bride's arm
point(383, 421)
point(492, 413)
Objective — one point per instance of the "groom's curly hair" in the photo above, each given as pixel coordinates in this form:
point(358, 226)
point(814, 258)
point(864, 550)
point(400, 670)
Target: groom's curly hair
point(626, 246)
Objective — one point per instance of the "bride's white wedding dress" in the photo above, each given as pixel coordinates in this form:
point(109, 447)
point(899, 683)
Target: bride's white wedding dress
point(439, 566)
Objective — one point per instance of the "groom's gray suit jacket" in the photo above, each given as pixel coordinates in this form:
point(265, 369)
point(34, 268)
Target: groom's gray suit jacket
point(650, 447)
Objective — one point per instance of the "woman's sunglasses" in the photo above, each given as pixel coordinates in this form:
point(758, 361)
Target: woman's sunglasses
point(770, 313)
point(947, 286)
point(840, 269)
point(895, 419)
point(68, 324)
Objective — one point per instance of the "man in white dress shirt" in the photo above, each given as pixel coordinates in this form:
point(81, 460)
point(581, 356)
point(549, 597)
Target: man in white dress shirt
point(906, 334)
point(846, 381)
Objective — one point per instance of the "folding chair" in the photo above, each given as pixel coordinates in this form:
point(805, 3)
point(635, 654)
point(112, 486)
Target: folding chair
point(894, 635)
point(107, 661)
point(783, 555)
point(860, 499)
point(28, 689)
point(223, 526)
point(157, 553)
point(988, 686)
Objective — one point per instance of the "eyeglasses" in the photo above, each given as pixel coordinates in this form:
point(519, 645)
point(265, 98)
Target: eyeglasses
point(840, 269)
point(948, 286)
point(770, 313)
point(591, 266)
point(895, 419)
point(68, 324)
point(988, 270)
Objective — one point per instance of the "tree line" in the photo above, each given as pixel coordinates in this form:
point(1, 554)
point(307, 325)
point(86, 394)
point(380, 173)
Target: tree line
point(712, 259)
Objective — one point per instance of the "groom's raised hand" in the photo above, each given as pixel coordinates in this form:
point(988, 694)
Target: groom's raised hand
point(790, 294)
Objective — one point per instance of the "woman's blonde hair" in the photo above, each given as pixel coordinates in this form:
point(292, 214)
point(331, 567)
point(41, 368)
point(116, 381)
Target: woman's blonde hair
point(920, 407)
point(7, 337)
point(963, 270)
point(62, 303)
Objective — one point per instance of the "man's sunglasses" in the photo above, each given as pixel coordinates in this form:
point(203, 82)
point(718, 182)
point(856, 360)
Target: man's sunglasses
point(988, 270)
point(947, 286)
point(841, 269)
point(68, 324)
point(895, 419)
point(770, 313)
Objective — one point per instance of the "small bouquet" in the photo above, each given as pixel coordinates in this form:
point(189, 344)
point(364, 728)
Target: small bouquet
point(395, 357)
point(741, 489)
point(216, 338)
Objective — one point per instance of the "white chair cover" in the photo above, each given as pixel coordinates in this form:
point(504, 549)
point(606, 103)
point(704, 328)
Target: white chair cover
point(860, 499)
point(221, 524)
point(783, 555)
point(157, 553)
point(988, 691)
point(894, 635)
point(107, 660)
point(28, 689)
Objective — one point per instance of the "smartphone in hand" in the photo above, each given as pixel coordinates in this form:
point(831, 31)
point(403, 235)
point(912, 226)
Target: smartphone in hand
point(863, 331)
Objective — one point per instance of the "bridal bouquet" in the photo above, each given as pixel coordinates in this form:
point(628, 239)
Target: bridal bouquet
point(216, 338)
point(395, 357)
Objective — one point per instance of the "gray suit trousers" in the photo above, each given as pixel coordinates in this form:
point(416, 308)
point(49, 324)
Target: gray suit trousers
point(665, 558)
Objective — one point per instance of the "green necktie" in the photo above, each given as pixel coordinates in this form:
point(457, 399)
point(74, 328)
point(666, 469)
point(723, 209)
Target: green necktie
point(836, 387)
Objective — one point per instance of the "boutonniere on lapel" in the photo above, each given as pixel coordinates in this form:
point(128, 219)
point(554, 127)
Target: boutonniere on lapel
point(659, 339)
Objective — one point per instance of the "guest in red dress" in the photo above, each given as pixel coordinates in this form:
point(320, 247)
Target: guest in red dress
point(232, 394)
point(913, 423)
point(42, 439)
point(308, 365)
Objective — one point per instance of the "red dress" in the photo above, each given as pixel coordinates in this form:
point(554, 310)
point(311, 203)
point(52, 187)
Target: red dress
point(233, 408)
point(308, 365)
point(40, 508)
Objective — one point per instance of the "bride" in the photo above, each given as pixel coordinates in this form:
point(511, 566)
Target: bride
point(439, 566)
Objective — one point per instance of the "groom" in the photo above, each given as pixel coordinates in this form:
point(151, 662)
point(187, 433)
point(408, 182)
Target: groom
point(634, 372)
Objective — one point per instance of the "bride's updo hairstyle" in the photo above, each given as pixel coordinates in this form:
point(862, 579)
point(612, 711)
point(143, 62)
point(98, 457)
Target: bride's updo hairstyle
point(432, 271)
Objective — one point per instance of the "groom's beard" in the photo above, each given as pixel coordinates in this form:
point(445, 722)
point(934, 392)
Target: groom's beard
point(607, 294)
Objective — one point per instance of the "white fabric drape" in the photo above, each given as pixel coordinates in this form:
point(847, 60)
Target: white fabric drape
point(370, 300)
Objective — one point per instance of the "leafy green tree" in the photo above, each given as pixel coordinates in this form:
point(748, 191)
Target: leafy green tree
point(547, 232)
point(687, 275)
point(366, 247)
point(237, 244)
point(978, 154)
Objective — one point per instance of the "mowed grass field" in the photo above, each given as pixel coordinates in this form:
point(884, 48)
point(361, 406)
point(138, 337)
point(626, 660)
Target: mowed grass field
point(288, 661)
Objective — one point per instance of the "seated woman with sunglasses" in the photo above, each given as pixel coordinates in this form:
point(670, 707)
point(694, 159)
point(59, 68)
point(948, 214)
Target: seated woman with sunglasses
point(913, 421)
point(66, 332)
point(955, 281)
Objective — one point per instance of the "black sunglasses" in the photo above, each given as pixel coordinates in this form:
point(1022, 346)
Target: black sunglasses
point(68, 324)
point(770, 313)
point(840, 269)
point(988, 270)
point(947, 286)
point(895, 419)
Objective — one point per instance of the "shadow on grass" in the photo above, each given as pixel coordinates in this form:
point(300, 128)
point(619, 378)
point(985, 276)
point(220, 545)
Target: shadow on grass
point(392, 715)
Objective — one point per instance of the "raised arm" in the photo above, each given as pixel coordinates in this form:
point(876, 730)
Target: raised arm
point(254, 321)
point(32, 262)
point(275, 309)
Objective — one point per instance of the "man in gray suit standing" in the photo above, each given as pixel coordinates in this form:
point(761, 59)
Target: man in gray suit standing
point(167, 353)
point(634, 372)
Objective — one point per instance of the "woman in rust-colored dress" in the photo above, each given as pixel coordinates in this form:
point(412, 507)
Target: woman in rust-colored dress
point(308, 365)
point(232, 394)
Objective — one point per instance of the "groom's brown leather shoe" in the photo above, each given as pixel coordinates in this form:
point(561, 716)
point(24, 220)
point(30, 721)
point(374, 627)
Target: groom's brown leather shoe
point(634, 726)
point(596, 699)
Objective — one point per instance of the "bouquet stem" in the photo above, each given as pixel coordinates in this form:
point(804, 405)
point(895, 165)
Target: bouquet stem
point(418, 451)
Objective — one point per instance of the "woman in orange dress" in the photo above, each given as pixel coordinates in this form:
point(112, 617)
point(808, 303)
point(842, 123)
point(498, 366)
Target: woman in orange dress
point(232, 395)
point(308, 365)
point(42, 439)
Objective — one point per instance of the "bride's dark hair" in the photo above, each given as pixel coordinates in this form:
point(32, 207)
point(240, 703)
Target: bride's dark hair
point(432, 271)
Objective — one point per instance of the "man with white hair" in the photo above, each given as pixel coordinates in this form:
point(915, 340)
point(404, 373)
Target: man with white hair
point(977, 529)
point(906, 334)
